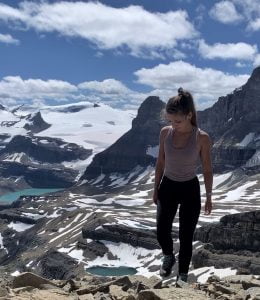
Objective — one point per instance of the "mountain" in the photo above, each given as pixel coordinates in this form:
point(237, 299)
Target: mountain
point(233, 123)
point(35, 123)
point(57, 141)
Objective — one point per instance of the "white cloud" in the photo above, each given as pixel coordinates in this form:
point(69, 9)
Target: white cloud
point(14, 90)
point(236, 10)
point(240, 51)
point(107, 86)
point(205, 84)
point(17, 88)
point(225, 12)
point(255, 24)
point(106, 27)
point(8, 13)
point(8, 39)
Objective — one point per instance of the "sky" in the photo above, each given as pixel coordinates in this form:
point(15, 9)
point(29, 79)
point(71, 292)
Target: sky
point(119, 52)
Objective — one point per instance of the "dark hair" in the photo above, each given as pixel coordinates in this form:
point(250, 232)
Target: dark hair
point(183, 103)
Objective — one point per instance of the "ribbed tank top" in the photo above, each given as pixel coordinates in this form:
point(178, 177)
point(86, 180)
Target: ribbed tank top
point(181, 163)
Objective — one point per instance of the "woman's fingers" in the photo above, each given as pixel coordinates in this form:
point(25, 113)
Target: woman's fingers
point(208, 207)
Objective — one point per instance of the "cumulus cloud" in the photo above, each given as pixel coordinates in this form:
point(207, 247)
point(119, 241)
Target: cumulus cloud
point(241, 51)
point(14, 90)
point(206, 84)
point(234, 11)
point(17, 88)
point(8, 39)
point(106, 27)
point(255, 24)
point(225, 12)
point(107, 86)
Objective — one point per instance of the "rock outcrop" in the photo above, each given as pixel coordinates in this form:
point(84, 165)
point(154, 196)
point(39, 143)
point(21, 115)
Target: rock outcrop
point(97, 229)
point(233, 242)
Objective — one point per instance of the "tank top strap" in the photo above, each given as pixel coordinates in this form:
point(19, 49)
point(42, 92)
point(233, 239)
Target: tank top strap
point(169, 132)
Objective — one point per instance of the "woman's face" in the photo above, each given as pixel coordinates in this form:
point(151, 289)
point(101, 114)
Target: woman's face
point(179, 121)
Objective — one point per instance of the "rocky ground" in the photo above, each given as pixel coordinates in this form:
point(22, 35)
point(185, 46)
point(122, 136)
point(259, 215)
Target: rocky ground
point(89, 287)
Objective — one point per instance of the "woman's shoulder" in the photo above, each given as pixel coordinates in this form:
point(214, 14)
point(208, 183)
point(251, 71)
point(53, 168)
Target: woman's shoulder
point(165, 129)
point(202, 132)
point(203, 136)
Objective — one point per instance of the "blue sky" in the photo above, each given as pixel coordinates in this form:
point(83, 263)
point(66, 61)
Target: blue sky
point(119, 51)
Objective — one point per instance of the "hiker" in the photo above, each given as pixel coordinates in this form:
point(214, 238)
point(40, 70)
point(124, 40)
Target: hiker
point(183, 146)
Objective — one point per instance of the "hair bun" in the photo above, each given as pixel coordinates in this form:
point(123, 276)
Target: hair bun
point(180, 91)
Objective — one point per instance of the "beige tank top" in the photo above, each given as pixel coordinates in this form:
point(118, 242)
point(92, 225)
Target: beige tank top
point(181, 163)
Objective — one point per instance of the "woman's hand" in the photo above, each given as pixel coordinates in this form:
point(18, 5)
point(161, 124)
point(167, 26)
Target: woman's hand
point(155, 196)
point(208, 206)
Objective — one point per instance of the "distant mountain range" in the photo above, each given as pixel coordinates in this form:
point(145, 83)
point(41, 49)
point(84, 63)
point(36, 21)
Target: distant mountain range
point(53, 146)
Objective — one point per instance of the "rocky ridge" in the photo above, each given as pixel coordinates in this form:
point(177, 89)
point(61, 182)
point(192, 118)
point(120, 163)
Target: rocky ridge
point(135, 287)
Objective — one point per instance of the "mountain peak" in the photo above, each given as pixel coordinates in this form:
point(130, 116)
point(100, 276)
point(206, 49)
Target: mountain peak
point(36, 123)
point(148, 111)
point(254, 80)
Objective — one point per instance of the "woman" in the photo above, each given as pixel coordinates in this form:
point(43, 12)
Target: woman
point(182, 146)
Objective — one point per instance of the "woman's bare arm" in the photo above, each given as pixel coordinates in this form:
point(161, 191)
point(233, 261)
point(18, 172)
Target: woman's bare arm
point(159, 167)
point(205, 154)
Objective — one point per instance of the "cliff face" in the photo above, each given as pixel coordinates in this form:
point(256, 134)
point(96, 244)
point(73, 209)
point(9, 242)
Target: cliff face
point(233, 116)
point(233, 123)
point(233, 242)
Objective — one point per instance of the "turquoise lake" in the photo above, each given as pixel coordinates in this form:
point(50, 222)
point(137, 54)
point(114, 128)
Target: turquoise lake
point(111, 271)
point(10, 197)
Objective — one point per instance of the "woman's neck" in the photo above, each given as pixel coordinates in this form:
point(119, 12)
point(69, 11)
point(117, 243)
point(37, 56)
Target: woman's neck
point(187, 129)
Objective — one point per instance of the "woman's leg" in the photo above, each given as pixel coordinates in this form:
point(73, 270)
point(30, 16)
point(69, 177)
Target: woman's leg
point(167, 206)
point(188, 217)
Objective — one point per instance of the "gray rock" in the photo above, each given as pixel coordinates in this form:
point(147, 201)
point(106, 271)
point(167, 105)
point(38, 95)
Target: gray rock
point(238, 278)
point(237, 245)
point(171, 293)
point(253, 292)
point(29, 279)
point(56, 265)
point(239, 231)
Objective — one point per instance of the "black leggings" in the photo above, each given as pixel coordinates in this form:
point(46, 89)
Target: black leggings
point(170, 195)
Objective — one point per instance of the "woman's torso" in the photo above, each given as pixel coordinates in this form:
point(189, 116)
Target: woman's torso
point(181, 161)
